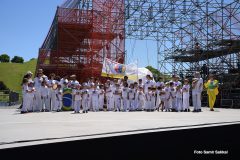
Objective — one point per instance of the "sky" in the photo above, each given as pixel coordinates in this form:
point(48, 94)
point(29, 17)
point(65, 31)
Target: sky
point(24, 25)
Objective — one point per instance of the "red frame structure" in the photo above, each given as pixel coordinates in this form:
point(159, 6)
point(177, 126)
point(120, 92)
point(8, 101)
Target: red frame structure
point(79, 39)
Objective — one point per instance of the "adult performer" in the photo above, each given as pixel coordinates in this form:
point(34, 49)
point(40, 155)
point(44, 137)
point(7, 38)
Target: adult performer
point(212, 90)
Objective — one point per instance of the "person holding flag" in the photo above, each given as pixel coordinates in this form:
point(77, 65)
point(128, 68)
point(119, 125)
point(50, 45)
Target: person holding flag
point(212, 90)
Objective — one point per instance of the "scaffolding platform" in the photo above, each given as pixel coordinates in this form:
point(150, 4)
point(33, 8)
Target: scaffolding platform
point(200, 55)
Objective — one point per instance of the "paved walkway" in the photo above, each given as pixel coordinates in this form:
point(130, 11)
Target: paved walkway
point(15, 127)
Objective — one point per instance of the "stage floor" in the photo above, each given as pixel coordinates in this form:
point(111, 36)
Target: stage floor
point(38, 128)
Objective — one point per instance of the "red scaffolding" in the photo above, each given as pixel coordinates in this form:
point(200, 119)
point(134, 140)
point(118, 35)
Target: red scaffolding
point(79, 39)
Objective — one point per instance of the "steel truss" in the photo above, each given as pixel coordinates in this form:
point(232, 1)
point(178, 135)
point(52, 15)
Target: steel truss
point(177, 25)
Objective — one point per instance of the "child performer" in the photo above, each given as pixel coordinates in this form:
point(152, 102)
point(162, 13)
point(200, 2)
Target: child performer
point(25, 99)
point(77, 98)
point(101, 97)
point(162, 97)
point(141, 98)
point(178, 98)
point(117, 97)
point(95, 98)
point(125, 96)
point(59, 94)
point(158, 101)
point(109, 97)
point(85, 97)
point(167, 102)
point(185, 90)
point(148, 99)
point(172, 96)
point(131, 94)
point(153, 99)
point(31, 97)
point(45, 96)
point(135, 103)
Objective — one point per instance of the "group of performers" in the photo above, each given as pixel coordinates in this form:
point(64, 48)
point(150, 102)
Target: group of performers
point(46, 94)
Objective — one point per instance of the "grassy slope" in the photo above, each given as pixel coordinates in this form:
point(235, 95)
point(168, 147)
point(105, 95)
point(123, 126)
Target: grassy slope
point(11, 73)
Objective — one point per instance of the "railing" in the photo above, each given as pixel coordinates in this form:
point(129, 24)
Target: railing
point(9, 98)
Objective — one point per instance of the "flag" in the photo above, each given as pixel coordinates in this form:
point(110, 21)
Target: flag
point(117, 70)
point(113, 69)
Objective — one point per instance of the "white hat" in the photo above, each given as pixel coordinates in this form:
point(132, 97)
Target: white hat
point(29, 72)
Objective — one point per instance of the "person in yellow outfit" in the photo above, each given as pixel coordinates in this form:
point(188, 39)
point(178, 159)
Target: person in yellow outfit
point(212, 90)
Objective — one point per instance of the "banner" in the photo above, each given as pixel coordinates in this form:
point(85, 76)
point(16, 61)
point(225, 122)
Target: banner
point(113, 69)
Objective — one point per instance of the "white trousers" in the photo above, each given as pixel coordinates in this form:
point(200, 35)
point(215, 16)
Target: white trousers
point(95, 103)
point(141, 104)
point(179, 104)
point(110, 103)
point(148, 104)
point(24, 106)
point(38, 103)
point(77, 105)
point(125, 104)
point(196, 99)
point(167, 104)
point(117, 102)
point(131, 104)
point(85, 104)
point(185, 102)
point(46, 103)
point(101, 102)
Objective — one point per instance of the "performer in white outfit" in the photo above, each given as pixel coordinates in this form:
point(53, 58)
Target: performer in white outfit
point(109, 96)
point(117, 97)
point(196, 92)
point(85, 97)
point(131, 94)
point(30, 97)
point(95, 98)
point(179, 98)
point(77, 98)
point(125, 96)
point(45, 96)
point(37, 84)
point(185, 90)
point(101, 97)
point(141, 98)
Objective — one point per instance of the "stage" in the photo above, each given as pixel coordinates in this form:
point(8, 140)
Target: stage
point(39, 128)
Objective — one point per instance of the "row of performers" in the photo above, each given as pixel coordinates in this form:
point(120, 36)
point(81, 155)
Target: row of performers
point(116, 95)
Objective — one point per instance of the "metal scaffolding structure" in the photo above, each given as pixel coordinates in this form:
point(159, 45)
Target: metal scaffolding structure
point(178, 25)
point(83, 32)
point(192, 35)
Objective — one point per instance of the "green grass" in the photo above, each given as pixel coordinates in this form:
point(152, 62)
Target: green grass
point(12, 73)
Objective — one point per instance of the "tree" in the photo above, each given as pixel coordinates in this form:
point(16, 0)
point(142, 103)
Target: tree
point(157, 74)
point(17, 59)
point(3, 86)
point(4, 58)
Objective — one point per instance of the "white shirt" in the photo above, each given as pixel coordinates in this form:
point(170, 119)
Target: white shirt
point(185, 88)
point(85, 93)
point(109, 92)
point(141, 95)
point(148, 83)
point(159, 84)
point(179, 93)
point(197, 87)
point(38, 82)
point(24, 89)
point(125, 92)
point(44, 91)
point(131, 93)
point(94, 93)
point(77, 94)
